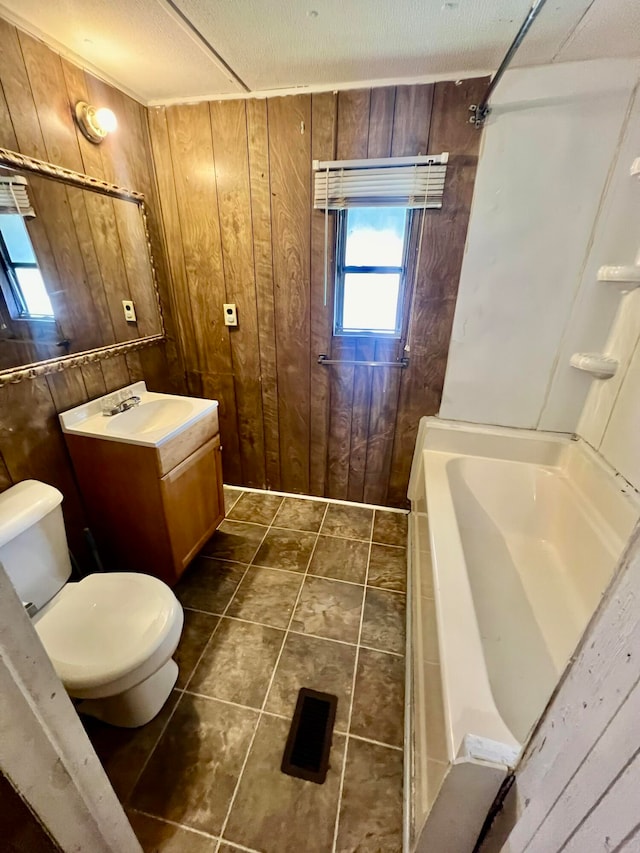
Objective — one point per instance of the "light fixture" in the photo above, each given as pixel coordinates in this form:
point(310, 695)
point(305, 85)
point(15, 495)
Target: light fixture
point(94, 123)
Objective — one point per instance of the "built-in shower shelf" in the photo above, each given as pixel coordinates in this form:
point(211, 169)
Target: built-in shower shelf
point(629, 275)
point(598, 365)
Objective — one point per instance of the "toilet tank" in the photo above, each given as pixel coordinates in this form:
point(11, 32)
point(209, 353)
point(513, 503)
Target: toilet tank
point(33, 543)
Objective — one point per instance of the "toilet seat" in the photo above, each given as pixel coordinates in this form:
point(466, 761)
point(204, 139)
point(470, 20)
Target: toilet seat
point(108, 632)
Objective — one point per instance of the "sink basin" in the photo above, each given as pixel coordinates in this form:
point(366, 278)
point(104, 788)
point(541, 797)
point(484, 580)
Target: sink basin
point(156, 419)
point(150, 416)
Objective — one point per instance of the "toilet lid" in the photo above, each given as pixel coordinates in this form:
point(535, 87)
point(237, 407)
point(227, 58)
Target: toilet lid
point(106, 625)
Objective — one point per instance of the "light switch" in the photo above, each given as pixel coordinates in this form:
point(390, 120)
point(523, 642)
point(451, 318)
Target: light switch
point(129, 310)
point(230, 314)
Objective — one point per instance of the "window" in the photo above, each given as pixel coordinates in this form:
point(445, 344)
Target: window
point(28, 297)
point(371, 267)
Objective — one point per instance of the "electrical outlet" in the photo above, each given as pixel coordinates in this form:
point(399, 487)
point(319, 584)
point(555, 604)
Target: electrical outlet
point(230, 314)
point(129, 310)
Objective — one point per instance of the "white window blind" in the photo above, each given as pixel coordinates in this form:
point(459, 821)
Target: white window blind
point(14, 197)
point(412, 182)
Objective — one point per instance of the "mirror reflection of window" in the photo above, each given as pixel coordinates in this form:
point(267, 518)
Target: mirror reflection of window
point(21, 266)
point(27, 297)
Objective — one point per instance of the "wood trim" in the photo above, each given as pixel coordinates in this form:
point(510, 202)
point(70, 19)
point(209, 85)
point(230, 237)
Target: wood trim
point(55, 365)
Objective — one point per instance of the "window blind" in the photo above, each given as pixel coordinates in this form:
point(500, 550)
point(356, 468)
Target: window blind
point(412, 182)
point(14, 197)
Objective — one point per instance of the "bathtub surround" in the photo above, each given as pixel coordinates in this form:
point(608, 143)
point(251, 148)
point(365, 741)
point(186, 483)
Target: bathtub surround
point(522, 530)
point(235, 185)
point(209, 766)
point(548, 211)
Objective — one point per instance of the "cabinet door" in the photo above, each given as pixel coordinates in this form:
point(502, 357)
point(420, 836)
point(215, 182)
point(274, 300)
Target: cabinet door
point(191, 498)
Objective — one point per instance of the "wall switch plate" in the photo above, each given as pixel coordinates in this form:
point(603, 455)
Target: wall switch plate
point(129, 310)
point(230, 314)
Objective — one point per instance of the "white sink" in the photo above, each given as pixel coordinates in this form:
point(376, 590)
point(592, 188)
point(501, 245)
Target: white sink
point(157, 418)
point(149, 416)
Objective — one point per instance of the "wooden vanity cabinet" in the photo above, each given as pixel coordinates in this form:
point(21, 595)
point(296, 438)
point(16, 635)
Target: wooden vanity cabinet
point(151, 509)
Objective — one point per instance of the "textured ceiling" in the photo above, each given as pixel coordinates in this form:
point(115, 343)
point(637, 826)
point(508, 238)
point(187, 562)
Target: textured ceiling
point(168, 50)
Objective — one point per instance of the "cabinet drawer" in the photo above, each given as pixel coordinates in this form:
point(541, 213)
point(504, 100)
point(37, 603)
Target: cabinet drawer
point(191, 500)
point(185, 443)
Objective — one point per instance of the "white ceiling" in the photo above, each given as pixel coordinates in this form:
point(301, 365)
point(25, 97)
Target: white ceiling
point(174, 50)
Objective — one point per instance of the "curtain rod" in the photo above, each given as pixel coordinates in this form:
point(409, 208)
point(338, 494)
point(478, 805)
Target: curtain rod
point(480, 111)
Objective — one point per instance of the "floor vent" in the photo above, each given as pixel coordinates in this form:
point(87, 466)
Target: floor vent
point(306, 754)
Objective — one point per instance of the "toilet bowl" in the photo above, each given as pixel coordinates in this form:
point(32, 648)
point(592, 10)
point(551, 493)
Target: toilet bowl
point(110, 636)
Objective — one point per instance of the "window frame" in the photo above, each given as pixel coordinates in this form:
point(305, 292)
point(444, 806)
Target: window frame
point(16, 302)
point(341, 270)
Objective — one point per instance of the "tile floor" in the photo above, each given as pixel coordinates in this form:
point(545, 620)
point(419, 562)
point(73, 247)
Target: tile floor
point(287, 593)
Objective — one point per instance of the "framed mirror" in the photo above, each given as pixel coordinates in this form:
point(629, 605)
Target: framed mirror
point(77, 277)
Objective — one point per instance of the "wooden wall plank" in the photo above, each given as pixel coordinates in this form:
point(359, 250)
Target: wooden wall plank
point(385, 382)
point(351, 143)
point(324, 118)
point(189, 130)
point(439, 273)
point(160, 146)
point(368, 397)
point(260, 183)
point(290, 157)
point(19, 97)
point(231, 164)
point(5, 477)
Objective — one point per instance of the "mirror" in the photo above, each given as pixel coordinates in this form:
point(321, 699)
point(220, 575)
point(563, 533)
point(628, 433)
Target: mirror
point(77, 278)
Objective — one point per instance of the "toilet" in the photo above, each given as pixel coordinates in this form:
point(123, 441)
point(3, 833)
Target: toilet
point(110, 636)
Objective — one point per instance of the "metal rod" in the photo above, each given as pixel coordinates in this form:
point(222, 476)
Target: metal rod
point(404, 362)
point(482, 109)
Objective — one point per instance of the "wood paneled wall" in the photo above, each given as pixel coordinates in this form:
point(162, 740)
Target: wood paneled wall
point(235, 185)
point(37, 92)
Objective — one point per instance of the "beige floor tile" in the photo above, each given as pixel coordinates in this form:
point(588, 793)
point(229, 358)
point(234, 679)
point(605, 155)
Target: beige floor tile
point(209, 584)
point(371, 807)
point(238, 663)
point(349, 522)
point(342, 559)
point(197, 629)
point(390, 528)
point(378, 702)
point(123, 752)
point(235, 540)
point(329, 609)
point(266, 596)
point(155, 836)
point(285, 549)
point(317, 664)
point(192, 773)
point(300, 515)
point(230, 497)
point(388, 568)
point(258, 508)
point(276, 813)
point(383, 624)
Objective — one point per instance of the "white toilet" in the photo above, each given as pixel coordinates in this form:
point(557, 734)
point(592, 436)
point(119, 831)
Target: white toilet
point(110, 636)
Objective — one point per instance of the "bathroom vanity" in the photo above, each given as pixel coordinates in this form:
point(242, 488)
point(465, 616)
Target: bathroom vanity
point(150, 475)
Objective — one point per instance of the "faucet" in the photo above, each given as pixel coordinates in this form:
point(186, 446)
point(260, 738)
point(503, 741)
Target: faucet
point(129, 403)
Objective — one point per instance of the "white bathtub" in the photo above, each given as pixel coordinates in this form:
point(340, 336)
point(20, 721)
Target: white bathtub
point(515, 535)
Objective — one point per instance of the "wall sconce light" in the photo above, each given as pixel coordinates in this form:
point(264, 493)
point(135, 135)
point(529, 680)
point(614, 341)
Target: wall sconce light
point(94, 123)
